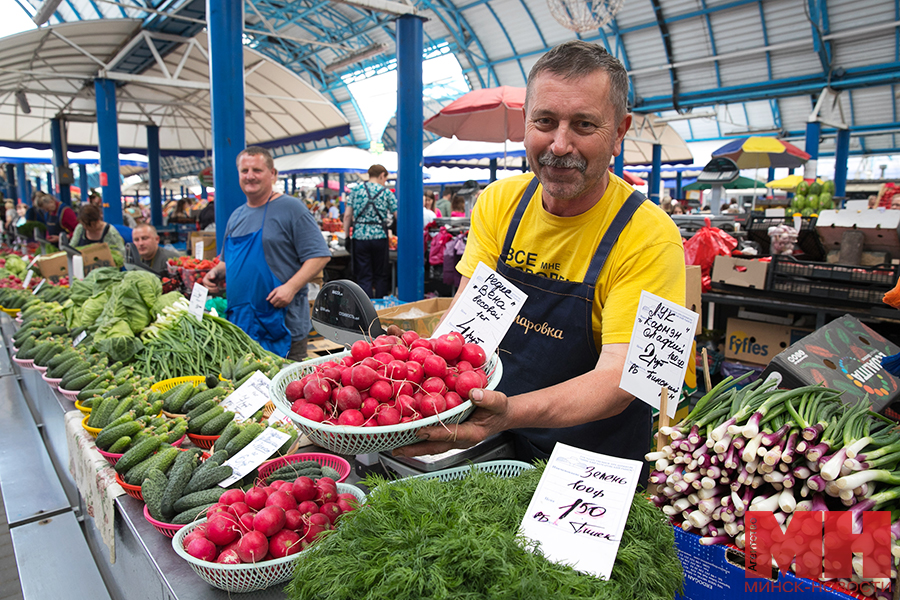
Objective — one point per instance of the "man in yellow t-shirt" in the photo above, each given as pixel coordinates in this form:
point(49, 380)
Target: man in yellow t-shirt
point(582, 244)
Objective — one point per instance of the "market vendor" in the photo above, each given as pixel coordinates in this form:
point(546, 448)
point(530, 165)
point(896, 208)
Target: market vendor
point(582, 244)
point(146, 240)
point(92, 229)
point(57, 216)
point(272, 249)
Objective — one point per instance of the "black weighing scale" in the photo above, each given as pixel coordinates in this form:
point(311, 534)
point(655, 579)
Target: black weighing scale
point(343, 313)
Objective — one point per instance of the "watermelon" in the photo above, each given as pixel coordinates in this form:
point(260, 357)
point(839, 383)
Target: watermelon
point(815, 188)
point(826, 200)
point(802, 188)
point(828, 187)
point(799, 202)
point(812, 201)
point(806, 212)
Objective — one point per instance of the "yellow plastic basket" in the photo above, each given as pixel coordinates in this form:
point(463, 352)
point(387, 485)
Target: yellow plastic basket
point(11, 311)
point(94, 431)
point(167, 384)
point(84, 409)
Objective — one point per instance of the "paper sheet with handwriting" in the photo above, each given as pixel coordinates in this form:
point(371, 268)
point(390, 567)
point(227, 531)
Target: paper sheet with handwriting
point(659, 350)
point(249, 398)
point(580, 506)
point(485, 310)
point(254, 454)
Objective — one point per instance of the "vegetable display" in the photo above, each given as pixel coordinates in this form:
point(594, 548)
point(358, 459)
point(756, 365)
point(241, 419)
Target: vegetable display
point(419, 539)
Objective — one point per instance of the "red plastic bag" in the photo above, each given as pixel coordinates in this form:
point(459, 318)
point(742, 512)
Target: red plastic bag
point(703, 248)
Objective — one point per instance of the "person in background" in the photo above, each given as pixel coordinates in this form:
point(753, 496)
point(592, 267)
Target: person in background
point(583, 245)
point(181, 213)
point(333, 211)
point(895, 202)
point(92, 229)
point(272, 250)
point(58, 218)
point(95, 199)
point(146, 240)
point(207, 217)
point(458, 206)
point(431, 204)
point(677, 208)
point(9, 220)
point(428, 215)
point(443, 204)
point(368, 211)
point(35, 212)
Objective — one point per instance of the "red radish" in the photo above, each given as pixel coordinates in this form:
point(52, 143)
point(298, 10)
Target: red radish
point(221, 530)
point(308, 507)
point(332, 374)
point(345, 376)
point(362, 377)
point(282, 499)
point(407, 405)
point(232, 496)
point(371, 423)
point(435, 366)
point(293, 391)
point(320, 519)
point(381, 390)
point(473, 354)
point(400, 352)
point(247, 521)
point(293, 519)
point(370, 362)
point(197, 532)
point(434, 385)
point(303, 489)
point(253, 547)
point(464, 365)
point(347, 398)
point(217, 508)
point(269, 520)
point(388, 416)
point(453, 400)
point(414, 372)
point(277, 484)
point(396, 369)
point(420, 354)
point(325, 494)
point(351, 418)
point(229, 555)
point(483, 376)
point(203, 549)
point(284, 543)
point(312, 412)
point(360, 350)
point(409, 337)
point(450, 381)
point(312, 532)
point(256, 498)
point(400, 388)
point(383, 343)
point(298, 405)
point(369, 406)
point(326, 481)
point(407, 419)
point(347, 361)
point(383, 357)
point(432, 404)
point(331, 510)
point(317, 391)
point(240, 508)
point(466, 382)
point(346, 505)
point(421, 343)
point(449, 345)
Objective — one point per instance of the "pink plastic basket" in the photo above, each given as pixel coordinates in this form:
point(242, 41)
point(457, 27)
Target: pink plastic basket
point(53, 382)
point(167, 529)
point(329, 460)
point(41, 369)
point(70, 394)
point(25, 364)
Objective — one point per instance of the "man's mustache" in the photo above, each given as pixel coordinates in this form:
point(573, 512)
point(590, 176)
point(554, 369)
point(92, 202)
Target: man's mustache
point(568, 161)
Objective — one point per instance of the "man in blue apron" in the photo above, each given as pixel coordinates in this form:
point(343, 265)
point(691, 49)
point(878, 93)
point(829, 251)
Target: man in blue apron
point(57, 217)
point(272, 249)
point(582, 244)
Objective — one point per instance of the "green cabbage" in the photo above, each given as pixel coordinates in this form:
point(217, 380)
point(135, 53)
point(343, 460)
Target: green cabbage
point(116, 340)
point(92, 309)
point(80, 290)
point(16, 265)
point(103, 277)
point(147, 284)
point(125, 302)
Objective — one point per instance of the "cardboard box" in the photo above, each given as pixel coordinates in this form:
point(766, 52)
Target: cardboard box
point(693, 291)
point(94, 257)
point(741, 272)
point(403, 316)
point(209, 243)
point(757, 342)
point(54, 266)
point(845, 355)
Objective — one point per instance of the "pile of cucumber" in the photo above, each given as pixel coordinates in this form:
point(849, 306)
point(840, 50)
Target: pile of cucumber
point(189, 488)
point(200, 405)
point(242, 369)
point(302, 468)
point(16, 298)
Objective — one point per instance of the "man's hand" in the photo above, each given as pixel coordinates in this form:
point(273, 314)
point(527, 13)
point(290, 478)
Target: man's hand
point(53, 239)
point(281, 296)
point(209, 280)
point(489, 417)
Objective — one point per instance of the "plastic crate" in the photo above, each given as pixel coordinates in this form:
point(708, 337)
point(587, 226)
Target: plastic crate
point(807, 238)
point(845, 292)
point(883, 275)
point(503, 468)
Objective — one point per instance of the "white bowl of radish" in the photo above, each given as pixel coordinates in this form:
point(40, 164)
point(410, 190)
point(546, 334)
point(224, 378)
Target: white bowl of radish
point(376, 391)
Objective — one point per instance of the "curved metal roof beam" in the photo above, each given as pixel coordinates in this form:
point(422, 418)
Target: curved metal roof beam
point(457, 30)
point(512, 46)
point(817, 13)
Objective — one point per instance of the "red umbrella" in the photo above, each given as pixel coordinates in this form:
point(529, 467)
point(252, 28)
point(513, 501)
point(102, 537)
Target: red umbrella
point(485, 115)
point(630, 178)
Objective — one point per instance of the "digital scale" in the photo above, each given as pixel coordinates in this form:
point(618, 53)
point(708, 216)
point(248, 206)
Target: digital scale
point(343, 313)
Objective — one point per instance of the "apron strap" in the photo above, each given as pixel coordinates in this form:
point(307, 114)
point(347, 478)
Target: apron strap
point(517, 217)
point(612, 235)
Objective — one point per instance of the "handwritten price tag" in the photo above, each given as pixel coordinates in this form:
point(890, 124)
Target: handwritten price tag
point(28, 276)
point(254, 454)
point(248, 398)
point(279, 417)
point(198, 250)
point(485, 311)
point(659, 351)
point(79, 338)
point(198, 300)
point(38, 287)
point(580, 506)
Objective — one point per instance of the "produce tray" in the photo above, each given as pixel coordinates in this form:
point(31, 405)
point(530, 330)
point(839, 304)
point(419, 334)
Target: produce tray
point(167, 529)
point(53, 382)
point(503, 468)
point(329, 460)
point(13, 312)
point(807, 238)
point(884, 275)
point(846, 292)
point(342, 439)
point(167, 384)
point(246, 577)
point(132, 490)
point(94, 431)
point(70, 394)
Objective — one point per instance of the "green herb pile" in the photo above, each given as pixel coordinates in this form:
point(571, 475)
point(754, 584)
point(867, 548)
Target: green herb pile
point(416, 539)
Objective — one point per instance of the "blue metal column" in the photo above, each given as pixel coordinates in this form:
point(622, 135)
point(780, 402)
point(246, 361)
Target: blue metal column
point(108, 136)
point(83, 182)
point(37, 184)
point(842, 151)
point(619, 162)
point(182, 193)
point(22, 180)
point(678, 190)
point(813, 130)
point(410, 219)
point(342, 181)
point(204, 195)
point(293, 184)
point(153, 175)
point(50, 189)
point(60, 160)
point(655, 174)
point(225, 20)
point(11, 182)
point(771, 174)
point(493, 170)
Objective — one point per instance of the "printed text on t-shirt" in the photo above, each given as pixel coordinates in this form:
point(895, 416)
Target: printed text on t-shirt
point(528, 262)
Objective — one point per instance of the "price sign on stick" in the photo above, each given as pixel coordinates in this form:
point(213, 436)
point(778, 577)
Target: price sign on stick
point(254, 454)
point(198, 250)
point(79, 338)
point(198, 300)
point(485, 310)
point(579, 508)
point(27, 281)
point(248, 398)
point(38, 287)
point(77, 267)
point(659, 350)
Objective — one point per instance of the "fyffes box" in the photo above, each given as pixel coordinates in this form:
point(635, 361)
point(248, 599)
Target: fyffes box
point(757, 342)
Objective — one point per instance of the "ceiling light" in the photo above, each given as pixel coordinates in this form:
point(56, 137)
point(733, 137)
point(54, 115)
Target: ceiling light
point(22, 99)
point(356, 56)
point(45, 11)
point(706, 114)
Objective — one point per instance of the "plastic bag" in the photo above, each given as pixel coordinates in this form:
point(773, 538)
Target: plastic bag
point(783, 239)
point(703, 248)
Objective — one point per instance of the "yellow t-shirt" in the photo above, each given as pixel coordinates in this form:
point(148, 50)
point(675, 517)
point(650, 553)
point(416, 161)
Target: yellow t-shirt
point(648, 255)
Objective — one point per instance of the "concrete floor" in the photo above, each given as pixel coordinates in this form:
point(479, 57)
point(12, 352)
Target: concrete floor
point(10, 588)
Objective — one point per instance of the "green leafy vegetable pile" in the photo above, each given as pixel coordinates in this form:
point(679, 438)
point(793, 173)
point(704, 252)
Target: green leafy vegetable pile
point(416, 539)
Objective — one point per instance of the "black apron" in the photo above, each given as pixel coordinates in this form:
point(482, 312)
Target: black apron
point(540, 357)
point(52, 221)
point(84, 240)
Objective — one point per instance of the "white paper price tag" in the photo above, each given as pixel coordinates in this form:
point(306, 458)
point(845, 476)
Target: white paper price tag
point(279, 417)
point(248, 398)
point(34, 260)
point(77, 267)
point(580, 506)
point(798, 223)
point(198, 250)
point(38, 287)
point(28, 277)
point(659, 350)
point(486, 310)
point(254, 454)
point(198, 301)
point(79, 338)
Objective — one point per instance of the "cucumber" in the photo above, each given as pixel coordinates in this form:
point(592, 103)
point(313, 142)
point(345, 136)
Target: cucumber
point(137, 453)
point(105, 412)
point(162, 460)
point(123, 407)
point(202, 397)
point(61, 358)
point(95, 412)
point(79, 383)
point(190, 514)
point(246, 370)
point(243, 438)
point(126, 418)
point(200, 409)
point(217, 424)
point(88, 393)
point(154, 409)
point(179, 477)
point(120, 391)
point(178, 399)
point(196, 424)
point(208, 496)
point(203, 479)
point(26, 345)
point(231, 430)
point(176, 433)
point(120, 445)
point(152, 489)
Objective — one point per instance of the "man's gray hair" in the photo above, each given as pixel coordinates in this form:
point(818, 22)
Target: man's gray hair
point(257, 151)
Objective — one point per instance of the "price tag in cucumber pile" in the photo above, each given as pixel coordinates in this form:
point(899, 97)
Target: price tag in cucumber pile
point(79, 338)
point(38, 287)
point(279, 417)
point(248, 398)
point(198, 250)
point(254, 454)
point(28, 277)
point(659, 350)
point(198, 300)
point(485, 311)
point(579, 508)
